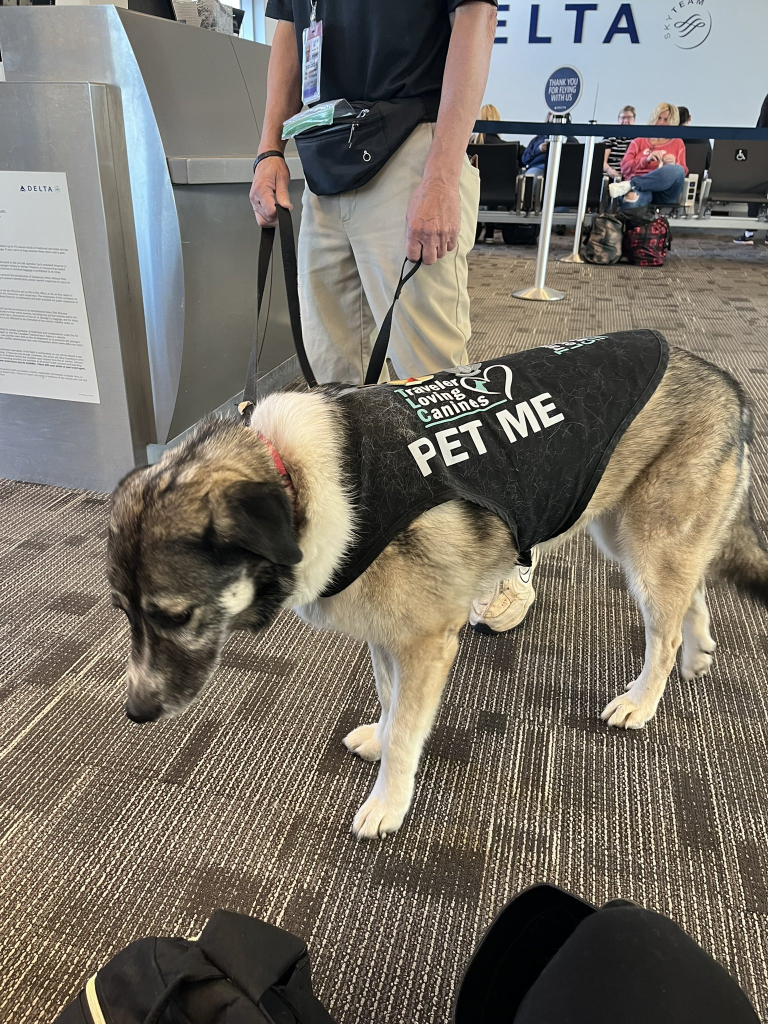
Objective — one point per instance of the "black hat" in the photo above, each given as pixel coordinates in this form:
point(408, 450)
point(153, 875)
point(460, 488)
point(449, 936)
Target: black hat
point(551, 958)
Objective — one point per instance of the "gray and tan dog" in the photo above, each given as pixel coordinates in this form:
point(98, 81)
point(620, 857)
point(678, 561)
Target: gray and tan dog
point(212, 540)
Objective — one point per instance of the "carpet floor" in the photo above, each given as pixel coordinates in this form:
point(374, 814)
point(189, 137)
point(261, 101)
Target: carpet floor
point(109, 832)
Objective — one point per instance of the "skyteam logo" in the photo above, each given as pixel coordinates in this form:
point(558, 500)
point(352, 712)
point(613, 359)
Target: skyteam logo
point(688, 24)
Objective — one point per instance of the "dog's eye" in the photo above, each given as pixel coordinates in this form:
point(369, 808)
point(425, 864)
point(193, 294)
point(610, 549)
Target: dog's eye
point(166, 620)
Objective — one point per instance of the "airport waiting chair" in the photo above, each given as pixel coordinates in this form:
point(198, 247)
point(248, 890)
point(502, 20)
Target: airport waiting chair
point(738, 173)
point(697, 155)
point(530, 189)
point(569, 178)
point(499, 166)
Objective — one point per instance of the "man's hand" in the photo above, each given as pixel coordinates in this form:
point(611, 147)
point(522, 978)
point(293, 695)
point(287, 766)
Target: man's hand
point(543, 147)
point(434, 213)
point(270, 190)
point(433, 220)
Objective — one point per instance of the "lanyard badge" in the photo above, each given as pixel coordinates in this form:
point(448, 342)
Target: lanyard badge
point(312, 58)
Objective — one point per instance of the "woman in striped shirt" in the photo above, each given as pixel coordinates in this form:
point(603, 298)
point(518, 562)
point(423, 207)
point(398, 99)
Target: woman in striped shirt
point(616, 148)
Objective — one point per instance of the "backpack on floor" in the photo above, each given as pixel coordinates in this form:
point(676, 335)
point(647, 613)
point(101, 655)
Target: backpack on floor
point(520, 234)
point(647, 243)
point(604, 241)
point(239, 970)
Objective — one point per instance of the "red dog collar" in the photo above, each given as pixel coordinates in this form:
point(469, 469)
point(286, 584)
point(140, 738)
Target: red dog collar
point(279, 464)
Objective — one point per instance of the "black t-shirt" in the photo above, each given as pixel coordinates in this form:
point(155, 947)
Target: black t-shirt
point(527, 436)
point(377, 50)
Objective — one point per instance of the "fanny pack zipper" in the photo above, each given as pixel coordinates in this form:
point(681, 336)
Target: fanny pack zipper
point(360, 115)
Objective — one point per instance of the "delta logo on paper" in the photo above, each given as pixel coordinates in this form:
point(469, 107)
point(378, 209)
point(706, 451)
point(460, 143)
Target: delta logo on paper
point(688, 24)
point(39, 188)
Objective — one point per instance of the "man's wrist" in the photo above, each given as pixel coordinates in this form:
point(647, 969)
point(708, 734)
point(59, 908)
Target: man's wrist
point(267, 144)
point(444, 163)
point(267, 154)
point(439, 172)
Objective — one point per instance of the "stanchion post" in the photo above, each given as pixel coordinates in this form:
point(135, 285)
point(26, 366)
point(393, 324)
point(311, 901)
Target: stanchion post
point(540, 292)
point(586, 174)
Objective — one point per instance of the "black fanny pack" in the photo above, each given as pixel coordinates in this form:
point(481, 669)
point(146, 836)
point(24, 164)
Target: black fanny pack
point(349, 152)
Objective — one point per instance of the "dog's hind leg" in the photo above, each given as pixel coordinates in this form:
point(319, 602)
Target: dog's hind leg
point(365, 741)
point(421, 670)
point(604, 532)
point(698, 645)
point(669, 529)
point(663, 588)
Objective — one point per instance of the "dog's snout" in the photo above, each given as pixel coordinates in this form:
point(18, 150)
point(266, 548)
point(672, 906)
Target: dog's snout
point(141, 710)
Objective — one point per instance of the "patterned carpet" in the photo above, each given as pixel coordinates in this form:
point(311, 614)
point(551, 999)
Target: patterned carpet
point(109, 832)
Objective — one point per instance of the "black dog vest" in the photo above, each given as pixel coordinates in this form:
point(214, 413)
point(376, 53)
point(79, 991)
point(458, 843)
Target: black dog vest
point(527, 436)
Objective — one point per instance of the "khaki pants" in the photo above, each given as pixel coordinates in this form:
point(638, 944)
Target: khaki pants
point(351, 251)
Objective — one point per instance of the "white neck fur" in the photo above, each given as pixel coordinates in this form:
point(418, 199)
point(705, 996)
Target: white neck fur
point(304, 431)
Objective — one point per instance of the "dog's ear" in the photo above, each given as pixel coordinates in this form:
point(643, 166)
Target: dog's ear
point(257, 516)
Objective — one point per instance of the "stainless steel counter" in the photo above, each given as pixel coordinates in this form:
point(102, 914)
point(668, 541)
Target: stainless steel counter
point(191, 103)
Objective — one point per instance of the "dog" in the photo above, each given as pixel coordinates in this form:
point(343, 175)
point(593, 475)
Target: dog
point(242, 520)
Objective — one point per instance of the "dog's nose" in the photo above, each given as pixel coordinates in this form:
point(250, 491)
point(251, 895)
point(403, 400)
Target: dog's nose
point(143, 710)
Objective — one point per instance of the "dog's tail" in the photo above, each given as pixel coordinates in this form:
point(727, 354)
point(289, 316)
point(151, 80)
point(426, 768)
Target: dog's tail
point(743, 559)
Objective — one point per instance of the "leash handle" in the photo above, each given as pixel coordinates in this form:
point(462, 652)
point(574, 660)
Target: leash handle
point(379, 353)
point(291, 272)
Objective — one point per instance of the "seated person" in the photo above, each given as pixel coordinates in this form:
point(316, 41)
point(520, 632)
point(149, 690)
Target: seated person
point(616, 147)
point(685, 122)
point(654, 169)
point(487, 113)
point(534, 159)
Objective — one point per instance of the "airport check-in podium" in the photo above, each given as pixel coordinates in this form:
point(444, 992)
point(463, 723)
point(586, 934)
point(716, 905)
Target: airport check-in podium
point(155, 125)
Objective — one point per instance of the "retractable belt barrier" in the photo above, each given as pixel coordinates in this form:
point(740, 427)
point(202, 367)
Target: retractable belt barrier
point(627, 131)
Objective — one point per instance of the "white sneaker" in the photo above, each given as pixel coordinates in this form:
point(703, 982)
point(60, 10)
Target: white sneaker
point(619, 188)
point(507, 605)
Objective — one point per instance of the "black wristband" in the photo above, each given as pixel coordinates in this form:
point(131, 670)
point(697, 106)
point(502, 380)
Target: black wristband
point(269, 152)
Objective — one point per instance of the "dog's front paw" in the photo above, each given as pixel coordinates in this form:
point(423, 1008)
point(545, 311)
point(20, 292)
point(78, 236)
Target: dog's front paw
point(696, 663)
point(628, 713)
point(377, 818)
point(364, 742)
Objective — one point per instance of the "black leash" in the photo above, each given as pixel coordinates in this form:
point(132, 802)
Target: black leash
point(379, 353)
point(290, 269)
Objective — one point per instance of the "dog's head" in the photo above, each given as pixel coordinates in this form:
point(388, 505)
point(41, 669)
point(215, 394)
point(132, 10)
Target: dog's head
point(199, 545)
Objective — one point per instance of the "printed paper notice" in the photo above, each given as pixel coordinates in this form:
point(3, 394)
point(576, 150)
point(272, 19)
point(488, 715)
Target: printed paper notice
point(45, 341)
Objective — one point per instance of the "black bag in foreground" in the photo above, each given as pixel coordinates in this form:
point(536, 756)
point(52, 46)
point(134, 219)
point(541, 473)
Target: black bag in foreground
point(240, 971)
point(349, 152)
point(550, 956)
point(604, 242)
